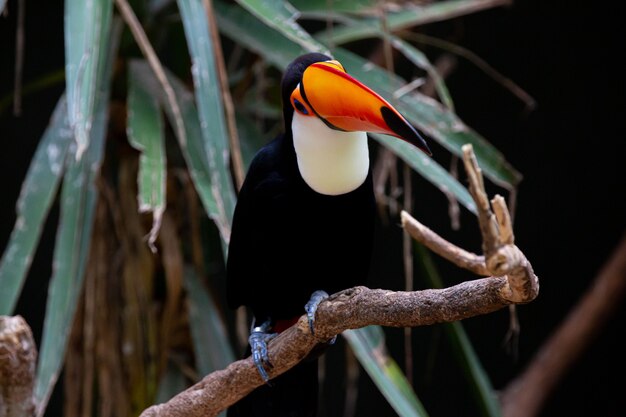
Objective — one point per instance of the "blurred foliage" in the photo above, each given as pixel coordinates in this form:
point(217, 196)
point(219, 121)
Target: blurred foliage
point(142, 155)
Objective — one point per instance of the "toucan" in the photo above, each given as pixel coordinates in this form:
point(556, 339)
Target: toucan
point(303, 225)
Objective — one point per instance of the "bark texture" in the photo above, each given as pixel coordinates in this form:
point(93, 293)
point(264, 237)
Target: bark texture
point(18, 357)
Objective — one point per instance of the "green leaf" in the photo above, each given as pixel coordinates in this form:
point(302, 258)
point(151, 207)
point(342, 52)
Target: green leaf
point(418, 58)
point(245, 29)
point(446, 127)
point(429, 115)
point(78, 201)
point(210, 110)
point(78, 198)
point(36, 196)
point(432, 118)
point(172, 382)
point(193, 148)
point(468, 359)
point(336, 6)
point(368, 344)
point(413, 54)
point(465, 354)
point(409, 16)
point(428, 168)
point(84, 42)
point(145, 133)
point(56, 77)
point(208, 328)
point(282, 16)
point(156, 6)
point(250, 137)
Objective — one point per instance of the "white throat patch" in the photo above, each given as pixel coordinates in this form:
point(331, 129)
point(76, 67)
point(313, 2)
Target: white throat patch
point(330, 161)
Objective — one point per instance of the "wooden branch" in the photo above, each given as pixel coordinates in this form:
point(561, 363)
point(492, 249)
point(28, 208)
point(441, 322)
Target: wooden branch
point(501, 256)
point(349, 309)
point(458, 256)
point(18, 357)
point(360, 306)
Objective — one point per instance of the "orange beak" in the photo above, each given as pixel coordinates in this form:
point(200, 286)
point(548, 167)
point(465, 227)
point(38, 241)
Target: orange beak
point(344, 103)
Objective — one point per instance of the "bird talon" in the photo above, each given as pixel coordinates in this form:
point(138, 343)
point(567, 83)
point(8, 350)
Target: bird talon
point(311, 307)
point(258, 339)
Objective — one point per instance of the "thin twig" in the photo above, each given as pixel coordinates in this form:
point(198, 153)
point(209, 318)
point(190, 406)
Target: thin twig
point(511, 338)
point(512, 204)
point(19, 57)
point(444, 67)
point(89, 335)
point(454, 210)
point(408, 88)
point(148, 51)
point(329, 23)
point(486, 218)
point(233, 136)
point(529, 102)
point(458, 256)
point(387, 48)
point(385, 172)
point(503, 219)
point(352, 382)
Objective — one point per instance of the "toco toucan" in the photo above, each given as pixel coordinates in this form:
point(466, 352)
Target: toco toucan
point(303, 226)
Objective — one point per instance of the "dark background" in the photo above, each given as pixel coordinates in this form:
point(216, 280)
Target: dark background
point(571, 209)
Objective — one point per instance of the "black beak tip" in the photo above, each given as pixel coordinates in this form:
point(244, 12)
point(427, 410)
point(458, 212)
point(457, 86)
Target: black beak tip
point(404, 129)
point(421, 143)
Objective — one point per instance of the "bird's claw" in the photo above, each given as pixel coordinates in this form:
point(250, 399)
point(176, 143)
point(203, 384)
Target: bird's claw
point(311, 307)
point(258, 339)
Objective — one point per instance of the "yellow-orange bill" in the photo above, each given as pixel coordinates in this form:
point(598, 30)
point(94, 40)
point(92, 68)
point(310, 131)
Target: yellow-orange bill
point(344, 103)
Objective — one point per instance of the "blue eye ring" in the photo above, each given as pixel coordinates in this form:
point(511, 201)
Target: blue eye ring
point(299, 106)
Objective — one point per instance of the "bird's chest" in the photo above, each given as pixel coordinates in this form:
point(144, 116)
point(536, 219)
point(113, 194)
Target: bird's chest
point(327, 239)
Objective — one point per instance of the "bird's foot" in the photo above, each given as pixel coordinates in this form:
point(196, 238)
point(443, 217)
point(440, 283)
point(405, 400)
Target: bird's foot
point(258, 339)
point(311, 307)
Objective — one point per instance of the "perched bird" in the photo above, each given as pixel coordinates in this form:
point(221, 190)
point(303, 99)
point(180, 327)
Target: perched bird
point(303, 226)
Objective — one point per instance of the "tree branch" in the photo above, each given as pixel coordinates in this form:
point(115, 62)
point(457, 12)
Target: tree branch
point(360, 306)
point(458, 256)
point(18, 357)
point(501, 257)
point(349, 309)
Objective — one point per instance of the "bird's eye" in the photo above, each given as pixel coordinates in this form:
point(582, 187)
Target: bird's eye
point(299, 106)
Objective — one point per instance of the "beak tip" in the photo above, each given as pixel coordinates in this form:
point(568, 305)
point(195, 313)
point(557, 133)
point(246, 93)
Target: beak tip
point(403, 129)
point(424, 146)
